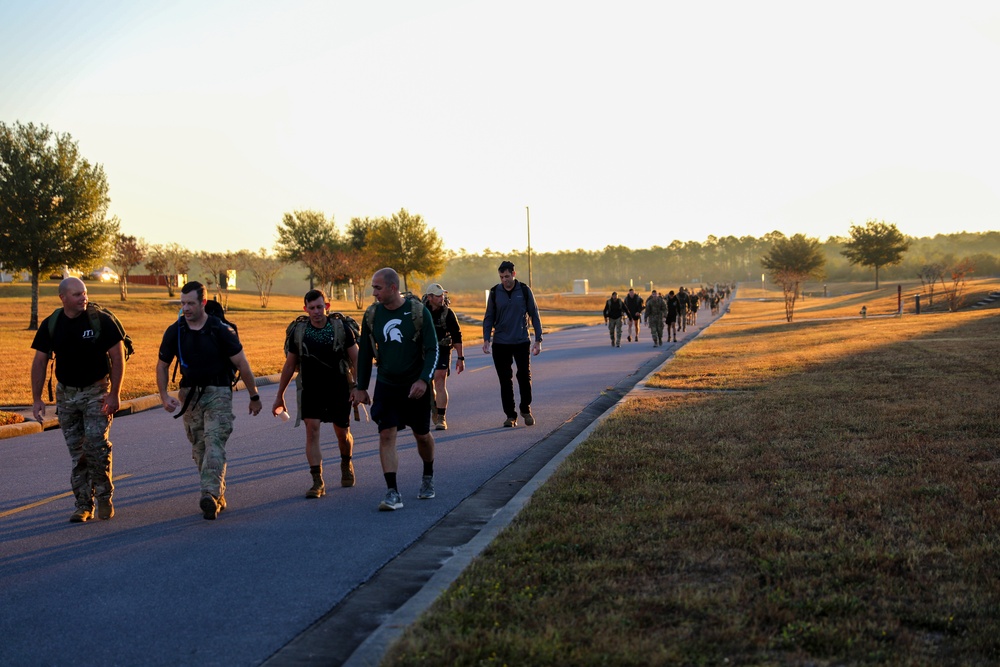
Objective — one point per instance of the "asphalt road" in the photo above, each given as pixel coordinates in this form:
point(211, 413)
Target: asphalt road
point(277, 578)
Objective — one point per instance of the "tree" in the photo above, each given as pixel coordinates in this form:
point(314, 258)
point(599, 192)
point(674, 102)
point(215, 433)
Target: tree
point(303, 232)
point(930, 274)
point(405, 243)
point(263, 267)
point(360, 264)
point(877, 244)
point(170, 261)
point(959, 274)
point(215, 268)
point(53, 204)
point(790, 261)
point(128, 254)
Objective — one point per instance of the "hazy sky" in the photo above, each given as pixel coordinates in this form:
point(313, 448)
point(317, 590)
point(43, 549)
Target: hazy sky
point(632, 123)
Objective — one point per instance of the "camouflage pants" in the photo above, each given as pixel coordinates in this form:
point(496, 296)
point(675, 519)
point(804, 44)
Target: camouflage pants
point(656, 327)
point(615, 329)
point(208, 423)
point(85, 428)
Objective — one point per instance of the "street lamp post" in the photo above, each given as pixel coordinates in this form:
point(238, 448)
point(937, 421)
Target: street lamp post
point(527, 212)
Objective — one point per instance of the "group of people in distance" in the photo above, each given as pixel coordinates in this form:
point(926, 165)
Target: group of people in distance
point(331, 357)
point(674, 311)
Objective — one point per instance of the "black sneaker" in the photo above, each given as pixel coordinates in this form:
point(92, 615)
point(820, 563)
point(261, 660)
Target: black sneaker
point(529, 419)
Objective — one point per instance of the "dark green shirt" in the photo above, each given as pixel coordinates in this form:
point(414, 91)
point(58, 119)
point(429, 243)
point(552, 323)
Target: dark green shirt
point(401, 359)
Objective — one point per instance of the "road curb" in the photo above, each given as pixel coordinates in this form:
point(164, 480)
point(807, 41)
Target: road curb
point(129, 407)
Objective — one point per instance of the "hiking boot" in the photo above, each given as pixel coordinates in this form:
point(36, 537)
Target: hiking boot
point(511, 422)
point(442, 425)
point(105, 509)
point(392, 501)
point(222, 503)
point(81, 514)
point(347, 473)
point(529, 419)
point(629, 338)
point(426, 488)
point(318, 488)
point(209, 506)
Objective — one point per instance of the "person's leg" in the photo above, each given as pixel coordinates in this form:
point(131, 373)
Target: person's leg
point(503, 360)
point(217, 410)
point(314, 456)
point(637, 321)
point(611, 330)
point(72, 427)
point(522, 357)
point(97, 447)
point(345, 442)
point(440, 405)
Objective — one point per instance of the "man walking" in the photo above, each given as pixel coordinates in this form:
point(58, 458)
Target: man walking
point(398, 333)
point(633, 310)
point(672, 309)
point(208, 351)
point(449, 335)
point(90, 365)
point(509, 307)
point(656, 313)
point(614, 312)
point(324, 350)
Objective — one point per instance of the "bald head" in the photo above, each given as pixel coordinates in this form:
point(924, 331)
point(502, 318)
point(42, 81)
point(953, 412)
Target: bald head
point(73, 294)
point(71, 284)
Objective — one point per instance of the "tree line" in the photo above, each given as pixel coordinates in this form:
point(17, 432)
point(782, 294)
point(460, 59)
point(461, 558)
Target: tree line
point(53, 214)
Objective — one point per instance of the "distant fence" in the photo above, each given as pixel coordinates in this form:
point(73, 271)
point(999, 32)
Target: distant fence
point(153, 280)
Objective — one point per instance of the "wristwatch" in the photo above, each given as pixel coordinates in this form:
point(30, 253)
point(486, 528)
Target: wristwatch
point(255, 397)
point(461, 358)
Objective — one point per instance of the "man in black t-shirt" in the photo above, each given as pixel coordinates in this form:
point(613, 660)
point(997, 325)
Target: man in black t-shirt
point(325, 352)
point(90, 365)
point(208, 350)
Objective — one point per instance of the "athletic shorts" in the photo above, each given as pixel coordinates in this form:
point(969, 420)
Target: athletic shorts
point(329, 403)
point(392, 408)
point(444, 360)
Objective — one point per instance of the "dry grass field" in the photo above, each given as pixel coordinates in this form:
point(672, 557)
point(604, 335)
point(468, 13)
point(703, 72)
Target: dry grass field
point(823, 492)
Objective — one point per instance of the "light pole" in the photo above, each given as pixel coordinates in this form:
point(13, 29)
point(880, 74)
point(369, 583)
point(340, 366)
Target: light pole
point(527, 212)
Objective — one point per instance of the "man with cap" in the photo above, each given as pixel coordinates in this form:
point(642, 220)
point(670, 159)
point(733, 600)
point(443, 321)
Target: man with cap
point(505, 327)
point(449, 335)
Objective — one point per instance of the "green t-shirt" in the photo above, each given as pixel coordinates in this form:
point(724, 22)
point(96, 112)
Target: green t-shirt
point(401, 359)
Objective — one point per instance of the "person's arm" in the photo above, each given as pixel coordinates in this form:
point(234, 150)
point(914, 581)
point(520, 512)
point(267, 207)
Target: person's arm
point(488, 318)
point(363, 366)
point(455, 329)
point(536, 322)
point(249, 381)
point(287, 371)
point(112, 401)
point(429, 341)
point(38, 366)
point(162, 381)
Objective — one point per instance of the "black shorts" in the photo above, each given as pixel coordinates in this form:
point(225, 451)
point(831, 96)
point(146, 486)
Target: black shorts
point(330, 402)
point(444, 360)
point(392, 408)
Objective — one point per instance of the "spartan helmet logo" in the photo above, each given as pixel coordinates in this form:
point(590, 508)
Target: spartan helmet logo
point(391, 332)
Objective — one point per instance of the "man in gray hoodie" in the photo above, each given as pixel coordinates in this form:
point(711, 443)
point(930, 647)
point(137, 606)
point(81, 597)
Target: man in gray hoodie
point(505, 326)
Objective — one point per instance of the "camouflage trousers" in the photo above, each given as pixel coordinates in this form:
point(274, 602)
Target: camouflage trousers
point(85, 428)
point(656, 327)
point(208, 423)
point(615, 329)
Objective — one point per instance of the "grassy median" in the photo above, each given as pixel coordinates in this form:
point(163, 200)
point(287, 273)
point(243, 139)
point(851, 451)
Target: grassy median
point(817, 493)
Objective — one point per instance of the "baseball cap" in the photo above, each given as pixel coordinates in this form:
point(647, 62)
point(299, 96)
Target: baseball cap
point(435, 289)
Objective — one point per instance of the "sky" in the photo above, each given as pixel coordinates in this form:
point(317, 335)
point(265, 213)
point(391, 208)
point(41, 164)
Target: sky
point(587, 124)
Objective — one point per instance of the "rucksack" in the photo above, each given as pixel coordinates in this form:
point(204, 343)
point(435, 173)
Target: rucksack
point(213, 309)
point(441, 319)
point(93, 311)
point(296, 332)
point(416, 312)
point(95, 323)
point(524, 292)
